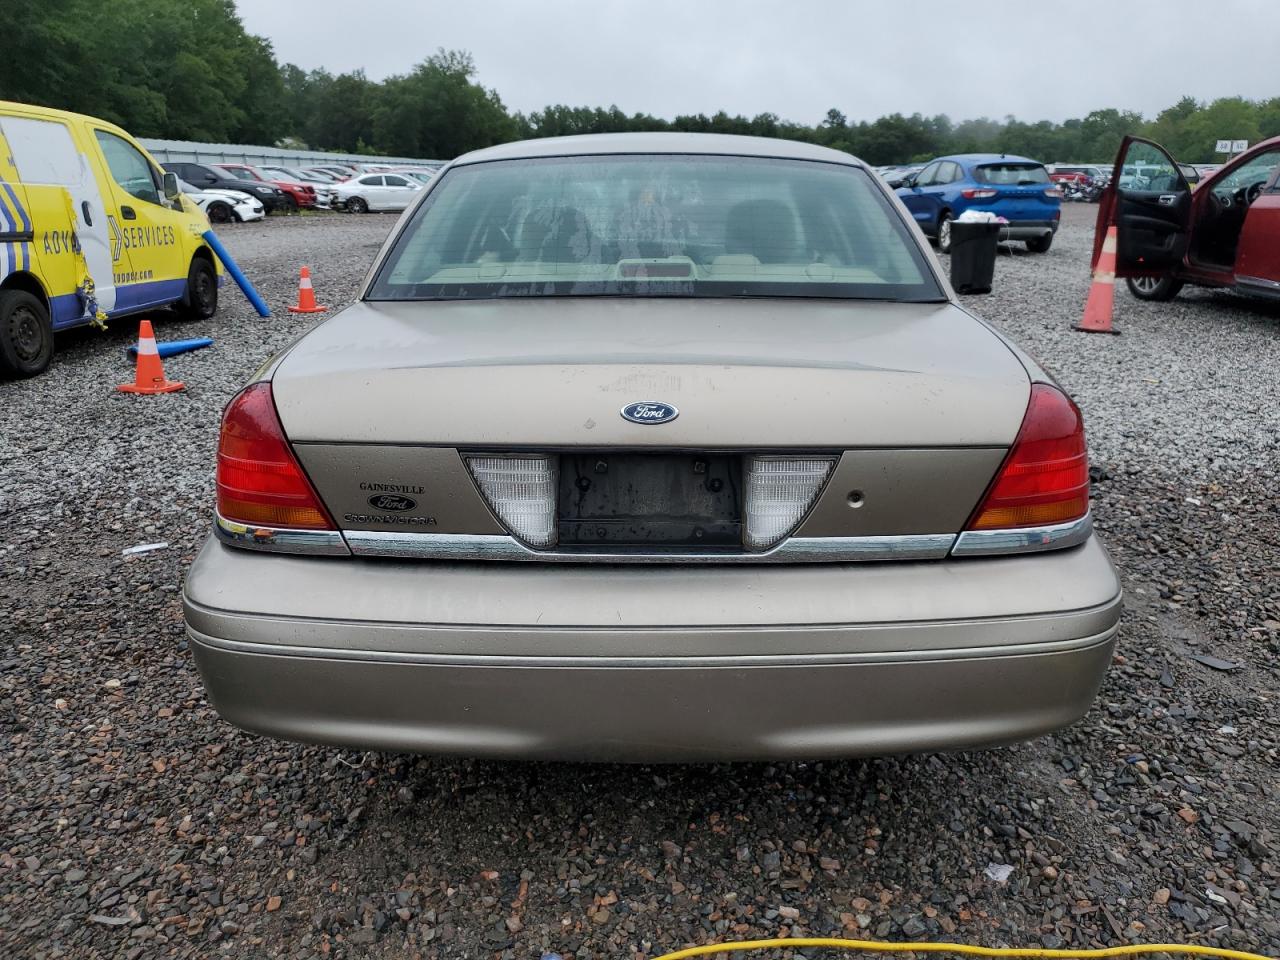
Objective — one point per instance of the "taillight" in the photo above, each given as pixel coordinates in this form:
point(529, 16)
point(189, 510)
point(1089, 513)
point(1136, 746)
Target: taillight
point(778, 493)
point(522, 492)
point(1045, 478)
point(259, 480)
point(974, 193)
point(1053, 193)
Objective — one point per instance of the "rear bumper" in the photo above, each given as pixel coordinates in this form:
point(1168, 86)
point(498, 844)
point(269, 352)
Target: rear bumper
point(1028, 229)
point(647, 664)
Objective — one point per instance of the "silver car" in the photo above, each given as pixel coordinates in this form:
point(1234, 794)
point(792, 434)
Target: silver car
point(653, 447)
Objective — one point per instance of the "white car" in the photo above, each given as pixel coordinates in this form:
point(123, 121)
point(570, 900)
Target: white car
point(224, 206)
point(375, 191)
point(423, 175)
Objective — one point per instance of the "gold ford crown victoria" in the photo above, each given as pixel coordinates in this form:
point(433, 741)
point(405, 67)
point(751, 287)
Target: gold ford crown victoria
point(653, 447)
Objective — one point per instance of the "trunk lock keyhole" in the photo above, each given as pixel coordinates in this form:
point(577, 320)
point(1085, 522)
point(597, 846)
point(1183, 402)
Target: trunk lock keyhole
point(856, 499)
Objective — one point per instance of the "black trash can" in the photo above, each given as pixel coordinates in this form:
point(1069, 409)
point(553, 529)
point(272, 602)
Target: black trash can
point(973, 255)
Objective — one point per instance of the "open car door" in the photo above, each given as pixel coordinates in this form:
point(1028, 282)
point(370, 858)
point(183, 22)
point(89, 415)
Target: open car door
point(1149, 203)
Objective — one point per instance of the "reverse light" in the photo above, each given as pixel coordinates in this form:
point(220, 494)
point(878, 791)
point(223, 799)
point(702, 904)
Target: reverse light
point(779, 492)
point(260, 482)
point(1045, 477)
point(974, 193)
point(522, 492)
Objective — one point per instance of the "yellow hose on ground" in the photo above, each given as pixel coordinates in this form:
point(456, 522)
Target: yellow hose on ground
point(1022, 953)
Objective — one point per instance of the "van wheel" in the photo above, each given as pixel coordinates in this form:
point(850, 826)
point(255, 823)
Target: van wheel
point(219, 213)
point(26, 334)
point(944, 233)
point(1154, 288)
point(200, 302)
point(357, 205)
point(1040, 244)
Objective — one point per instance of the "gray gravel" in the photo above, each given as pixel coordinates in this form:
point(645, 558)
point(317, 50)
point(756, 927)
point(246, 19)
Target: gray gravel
point(133, 823)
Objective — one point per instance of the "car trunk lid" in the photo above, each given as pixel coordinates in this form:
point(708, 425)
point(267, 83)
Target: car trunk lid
point(556, 372)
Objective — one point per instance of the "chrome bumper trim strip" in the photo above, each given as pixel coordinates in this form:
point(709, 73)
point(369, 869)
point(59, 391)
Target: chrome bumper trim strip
point(323, 543)
point(459, 546)
point(987, 543)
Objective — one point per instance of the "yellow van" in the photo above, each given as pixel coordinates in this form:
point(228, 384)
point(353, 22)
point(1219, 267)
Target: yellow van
point(90, 229)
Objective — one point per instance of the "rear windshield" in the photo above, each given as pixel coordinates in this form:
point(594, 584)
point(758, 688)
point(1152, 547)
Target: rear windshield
point(1013, 173)
point(657, 225)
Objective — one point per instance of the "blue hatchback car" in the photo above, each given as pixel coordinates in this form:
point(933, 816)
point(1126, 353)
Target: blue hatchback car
point(1015, 188)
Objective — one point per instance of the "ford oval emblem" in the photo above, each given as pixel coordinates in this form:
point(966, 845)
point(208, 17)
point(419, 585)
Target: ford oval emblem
point(649, 411)
point(392, 501)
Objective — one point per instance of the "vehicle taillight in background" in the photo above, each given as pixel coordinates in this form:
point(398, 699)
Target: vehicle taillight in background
point(974, 193)
point(260, 482)
point(1045, 478)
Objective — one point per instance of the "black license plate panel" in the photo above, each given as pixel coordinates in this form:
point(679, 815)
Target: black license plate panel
point(672, 501)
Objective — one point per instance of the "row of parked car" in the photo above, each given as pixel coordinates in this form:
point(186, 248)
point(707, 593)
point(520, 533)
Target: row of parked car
point(240, 192)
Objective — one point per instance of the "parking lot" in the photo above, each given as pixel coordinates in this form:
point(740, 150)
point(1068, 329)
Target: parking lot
point(138, 824)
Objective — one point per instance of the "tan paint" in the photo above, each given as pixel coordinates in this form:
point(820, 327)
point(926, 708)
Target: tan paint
point(747, 374)
point(445, 498)
point(901, 492)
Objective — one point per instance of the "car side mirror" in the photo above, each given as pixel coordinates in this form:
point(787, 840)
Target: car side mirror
point(171, 191)
point(909, 182)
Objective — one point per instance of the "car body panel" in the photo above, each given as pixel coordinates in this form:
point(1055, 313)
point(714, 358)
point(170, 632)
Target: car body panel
point(347, 476)
point(556, 372)
point(884, 657)
point(898, 490)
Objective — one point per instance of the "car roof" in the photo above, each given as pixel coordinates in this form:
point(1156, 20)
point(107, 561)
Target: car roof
point(674, 143)
point(989, 158)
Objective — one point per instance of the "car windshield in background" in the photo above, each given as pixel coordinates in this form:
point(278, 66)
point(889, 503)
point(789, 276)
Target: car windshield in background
point(1012, 174)
point(656, 225)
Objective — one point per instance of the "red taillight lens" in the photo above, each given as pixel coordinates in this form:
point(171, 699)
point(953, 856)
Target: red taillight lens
point(1045, 477)
point(975, 194)
point(259, 480)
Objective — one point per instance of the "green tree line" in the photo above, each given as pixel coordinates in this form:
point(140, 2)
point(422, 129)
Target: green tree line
point(188, 70)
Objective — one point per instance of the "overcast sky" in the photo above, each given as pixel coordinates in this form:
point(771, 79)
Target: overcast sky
point(797, 58)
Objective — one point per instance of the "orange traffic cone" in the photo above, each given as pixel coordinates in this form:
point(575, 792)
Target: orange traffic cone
point(306, 296)
point(149, 377)
point(1102, 294)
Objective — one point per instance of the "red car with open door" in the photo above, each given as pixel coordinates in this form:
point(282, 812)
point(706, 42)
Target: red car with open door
point(1225, 234)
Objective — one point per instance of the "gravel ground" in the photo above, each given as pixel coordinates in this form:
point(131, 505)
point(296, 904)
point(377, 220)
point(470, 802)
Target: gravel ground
point(135, 824)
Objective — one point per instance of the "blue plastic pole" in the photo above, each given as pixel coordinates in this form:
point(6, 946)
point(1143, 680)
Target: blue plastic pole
point(171, 348)
point(241, 280)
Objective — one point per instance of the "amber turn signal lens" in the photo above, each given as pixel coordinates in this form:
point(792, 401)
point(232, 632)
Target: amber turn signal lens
point(260, 482)
point(1045, 478)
